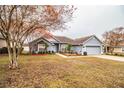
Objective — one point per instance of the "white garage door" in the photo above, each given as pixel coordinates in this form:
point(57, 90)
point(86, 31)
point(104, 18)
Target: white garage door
point(93, 49)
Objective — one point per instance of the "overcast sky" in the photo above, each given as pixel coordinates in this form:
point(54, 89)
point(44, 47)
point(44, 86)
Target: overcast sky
point(96, 20)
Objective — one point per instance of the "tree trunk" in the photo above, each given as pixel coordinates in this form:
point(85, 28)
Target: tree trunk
point(12, 56)
point(14, 61)
point(13, 64)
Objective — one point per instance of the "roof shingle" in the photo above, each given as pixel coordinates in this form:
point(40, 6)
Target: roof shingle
point(63, 39)
point(81, 40)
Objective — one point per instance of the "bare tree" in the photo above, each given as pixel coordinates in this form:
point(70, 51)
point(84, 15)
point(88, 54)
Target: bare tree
point(18, 22)
point(113, 38)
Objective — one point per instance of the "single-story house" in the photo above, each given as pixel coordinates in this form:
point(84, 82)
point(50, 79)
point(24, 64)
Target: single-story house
point(90, 44)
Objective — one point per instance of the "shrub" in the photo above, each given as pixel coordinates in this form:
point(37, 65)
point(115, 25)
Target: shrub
point(71, 52)
point(85, 53)
point(40, 52)
point(43, 52)
point(53, 52)
point(49, 52)
point(33, 52)
point(69, 47)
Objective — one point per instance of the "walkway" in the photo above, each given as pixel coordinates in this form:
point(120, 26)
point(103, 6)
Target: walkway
point(116, 58)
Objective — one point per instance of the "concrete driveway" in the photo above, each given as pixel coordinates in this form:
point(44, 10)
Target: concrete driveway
point(116, 58)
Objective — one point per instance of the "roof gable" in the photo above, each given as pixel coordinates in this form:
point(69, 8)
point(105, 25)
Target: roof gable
point(81, 40)
point(47, 37)
point(91, 37)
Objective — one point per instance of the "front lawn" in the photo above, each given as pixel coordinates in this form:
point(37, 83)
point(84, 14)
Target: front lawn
point(55, 71)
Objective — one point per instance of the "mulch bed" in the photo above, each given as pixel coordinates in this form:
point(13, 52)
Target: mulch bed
point(39, 54)
point(66, 54)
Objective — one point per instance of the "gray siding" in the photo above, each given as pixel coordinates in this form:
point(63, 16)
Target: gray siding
point(77, 49)
point(52, 48)
point(93, 42)
point(63, 46)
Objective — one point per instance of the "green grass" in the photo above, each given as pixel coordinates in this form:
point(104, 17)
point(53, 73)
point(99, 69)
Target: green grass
point(55, 71)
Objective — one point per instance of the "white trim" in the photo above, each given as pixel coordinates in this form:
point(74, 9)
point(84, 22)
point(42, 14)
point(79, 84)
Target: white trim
point(59, 47)
point(43, 39)
point(87, 40)
point(57, 39)
point(82, 50)
point(39, 46)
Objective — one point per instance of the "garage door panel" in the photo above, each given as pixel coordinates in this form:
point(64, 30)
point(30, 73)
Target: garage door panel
point(93, 49)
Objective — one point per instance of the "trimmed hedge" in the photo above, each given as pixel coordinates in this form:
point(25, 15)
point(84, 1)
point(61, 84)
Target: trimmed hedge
point(44, 52)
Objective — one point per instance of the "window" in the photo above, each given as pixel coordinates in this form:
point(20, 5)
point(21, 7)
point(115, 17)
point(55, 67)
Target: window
point(41, 47)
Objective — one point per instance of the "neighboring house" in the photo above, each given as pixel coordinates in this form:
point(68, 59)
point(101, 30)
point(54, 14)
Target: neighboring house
point(26, 48)
point(2, 42)
point(90, 44)
point(119, 48)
